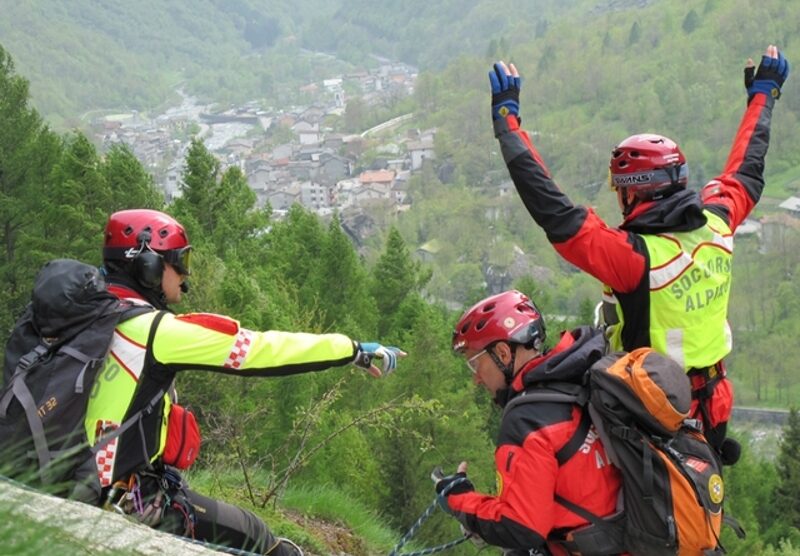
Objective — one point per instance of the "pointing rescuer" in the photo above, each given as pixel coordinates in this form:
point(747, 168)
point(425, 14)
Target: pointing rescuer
point(666, 268)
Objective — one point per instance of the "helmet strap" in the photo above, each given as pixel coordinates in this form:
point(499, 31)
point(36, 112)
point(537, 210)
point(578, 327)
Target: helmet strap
point(629, 202)
point(508, 370)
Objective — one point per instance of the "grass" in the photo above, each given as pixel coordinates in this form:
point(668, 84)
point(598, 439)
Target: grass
point(786, 183)
point(331, 504)
point(320, 519)
point(312, 516)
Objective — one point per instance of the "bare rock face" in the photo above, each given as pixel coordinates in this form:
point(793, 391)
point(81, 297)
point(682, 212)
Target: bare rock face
point(99, 531)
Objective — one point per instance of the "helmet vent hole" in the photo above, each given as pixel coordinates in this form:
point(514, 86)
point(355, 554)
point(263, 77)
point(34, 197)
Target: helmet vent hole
point(489, 307)
point(623, 163)
point(635, 154)
point(128, 231)
point(480, 324)
point(465, 328)
point(163, 232)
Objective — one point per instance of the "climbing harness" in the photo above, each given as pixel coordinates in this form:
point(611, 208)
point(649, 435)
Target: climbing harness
point(127, 494)
point(425, 515)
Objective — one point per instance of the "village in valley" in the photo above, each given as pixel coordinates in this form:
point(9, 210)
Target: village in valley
point(295, 155)
point(291, 155)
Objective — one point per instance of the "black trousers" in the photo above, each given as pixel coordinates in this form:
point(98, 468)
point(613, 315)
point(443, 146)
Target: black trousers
point(221, 523)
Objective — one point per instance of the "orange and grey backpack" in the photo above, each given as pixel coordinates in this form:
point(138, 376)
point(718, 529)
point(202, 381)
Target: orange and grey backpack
point(672, 487)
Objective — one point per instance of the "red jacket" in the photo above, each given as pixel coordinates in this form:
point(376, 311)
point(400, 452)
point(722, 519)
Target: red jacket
point(524, 513)
point(618, 256)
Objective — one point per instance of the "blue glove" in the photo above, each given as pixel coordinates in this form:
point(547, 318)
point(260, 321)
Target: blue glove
point(769, 78)
point(367, 352)
point(505, 91)
point(452, 484)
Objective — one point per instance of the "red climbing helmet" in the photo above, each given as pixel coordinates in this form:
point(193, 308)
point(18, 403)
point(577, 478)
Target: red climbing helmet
point(510, 316)
point(651, 166)
point(132, 233)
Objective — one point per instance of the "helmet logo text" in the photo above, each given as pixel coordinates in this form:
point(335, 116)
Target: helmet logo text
point(633, 179)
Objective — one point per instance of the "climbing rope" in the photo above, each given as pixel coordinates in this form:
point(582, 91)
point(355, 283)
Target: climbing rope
point(425, 515)
point(218, 547)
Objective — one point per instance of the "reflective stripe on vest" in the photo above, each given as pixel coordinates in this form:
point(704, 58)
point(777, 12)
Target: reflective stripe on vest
point(690, 277)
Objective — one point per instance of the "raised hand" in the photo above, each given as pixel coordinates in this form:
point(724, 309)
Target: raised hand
point(505, 83)
point(772, 73)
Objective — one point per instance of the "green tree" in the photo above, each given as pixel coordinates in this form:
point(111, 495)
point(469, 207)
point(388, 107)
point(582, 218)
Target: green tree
point(295, 246)
point(238, 221)
point(691, 22)
point(394, 277)
point(635, 34)
point(28, 152)
point(451, 432)
point(219, 209)
point(131, 186)
point(199, 186)
point(77, 203)
point(355, 115)
point(787, 493)
point(343, 285)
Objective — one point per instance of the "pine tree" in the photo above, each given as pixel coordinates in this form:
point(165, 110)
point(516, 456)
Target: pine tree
point(131, 186)
point(635, 34)
point(691, 22)
point(238, 220)
point(787, 493)
point(343, 285)
point(77, 203)
point(295, 245)
point(394, 278)
point(196, 207)
point(28, 152)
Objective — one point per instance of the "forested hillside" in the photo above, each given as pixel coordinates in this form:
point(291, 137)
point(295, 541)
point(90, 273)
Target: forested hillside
point(90, 56)
point(587, 84)
point(593, 74)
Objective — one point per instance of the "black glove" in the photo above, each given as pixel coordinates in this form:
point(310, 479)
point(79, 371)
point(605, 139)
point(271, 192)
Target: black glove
point(452, 484)
point(771, 74)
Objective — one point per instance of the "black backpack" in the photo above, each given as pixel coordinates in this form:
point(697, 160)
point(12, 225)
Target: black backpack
point(671, 477)
point(52, 358)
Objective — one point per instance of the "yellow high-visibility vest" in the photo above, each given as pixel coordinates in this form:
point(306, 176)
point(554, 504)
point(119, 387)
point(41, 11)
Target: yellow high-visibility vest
point(689, 284)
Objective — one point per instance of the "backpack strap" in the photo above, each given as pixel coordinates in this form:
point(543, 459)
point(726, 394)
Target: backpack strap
point(24, 363)
point(560, 392)
point(136, 418)
point(23, 394)
point(576, 441)
point(648, 475)
point(734, 524)
point(553, 392)
point(83, 358)
point(579, 510)
point(605, 535)
point(18, 389)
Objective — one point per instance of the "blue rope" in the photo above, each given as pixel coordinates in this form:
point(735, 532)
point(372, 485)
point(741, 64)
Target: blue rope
point(425, 515)
point(218, 547)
